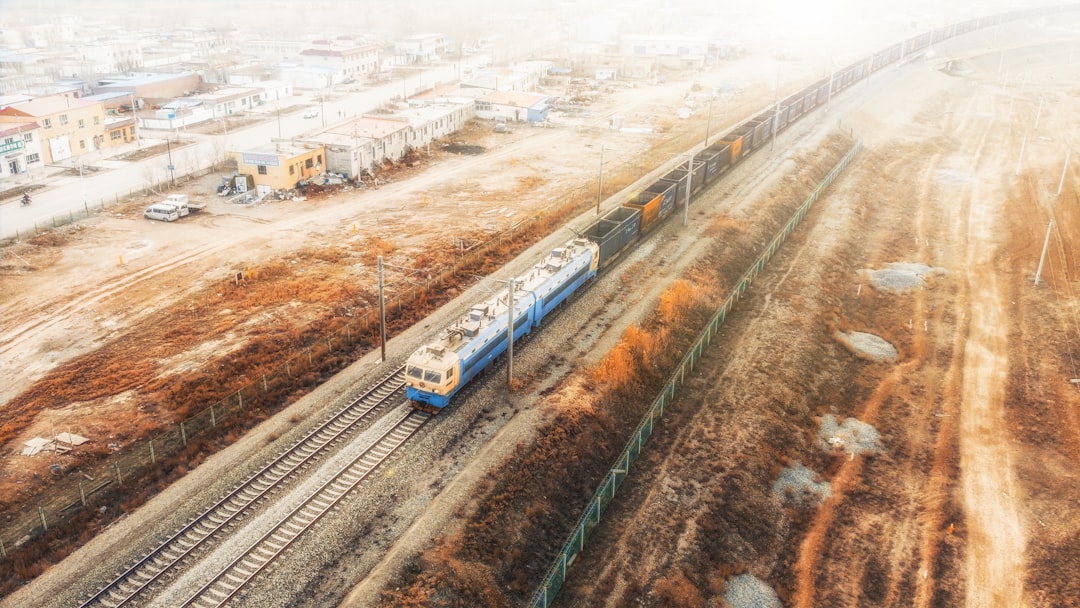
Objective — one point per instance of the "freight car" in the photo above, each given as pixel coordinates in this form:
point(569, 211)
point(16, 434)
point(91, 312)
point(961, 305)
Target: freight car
point(437, 371)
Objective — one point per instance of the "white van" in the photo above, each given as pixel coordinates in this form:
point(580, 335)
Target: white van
point(178, 202)
point(163, 212)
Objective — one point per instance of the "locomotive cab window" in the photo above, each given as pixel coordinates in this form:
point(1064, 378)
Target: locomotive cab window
point(432, 376)
point(415, 372)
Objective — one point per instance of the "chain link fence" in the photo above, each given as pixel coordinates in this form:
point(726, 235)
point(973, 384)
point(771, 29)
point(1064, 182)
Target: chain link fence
point(605, 493)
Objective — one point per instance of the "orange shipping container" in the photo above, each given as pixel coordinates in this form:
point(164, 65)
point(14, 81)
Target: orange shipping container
point(650, 210)
point(736, 147)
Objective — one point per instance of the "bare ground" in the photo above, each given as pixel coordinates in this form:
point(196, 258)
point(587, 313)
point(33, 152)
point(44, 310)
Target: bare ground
point(971, 502)
point(977, 418)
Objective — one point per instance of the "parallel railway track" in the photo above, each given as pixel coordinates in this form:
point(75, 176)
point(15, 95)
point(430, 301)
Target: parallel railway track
point(232, 579)
point(165, 560)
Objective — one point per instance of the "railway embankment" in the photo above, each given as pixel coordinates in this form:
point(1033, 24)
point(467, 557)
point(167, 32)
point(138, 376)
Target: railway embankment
point(539, 494)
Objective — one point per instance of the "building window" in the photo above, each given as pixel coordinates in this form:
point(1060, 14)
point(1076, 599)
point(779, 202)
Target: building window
point(82, 144)
point(262, 170)
point(292, 169)
point(28, 137)
point(318, 158)
point(309, 163)
point(63, 119)
point(82, 123)
point(47, 123)
point(97, 120)
point(33, 158)
point(115, 134)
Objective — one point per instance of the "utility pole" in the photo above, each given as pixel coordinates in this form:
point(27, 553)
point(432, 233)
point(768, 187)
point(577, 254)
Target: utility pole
point(135, 111)
point(1023, 144)
point(382, 313)
point(1065, 168)
point(172, 168)
point(1042, 258)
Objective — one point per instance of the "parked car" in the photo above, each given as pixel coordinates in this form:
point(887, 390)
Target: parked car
point(311, 114)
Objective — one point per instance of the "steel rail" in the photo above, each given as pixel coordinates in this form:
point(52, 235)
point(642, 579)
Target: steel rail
point(133, 582)
point(242, 570)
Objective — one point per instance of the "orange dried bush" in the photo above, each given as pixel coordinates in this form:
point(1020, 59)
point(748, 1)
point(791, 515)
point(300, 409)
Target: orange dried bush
point(621, 365)
point(371, 249)
point(679, 297)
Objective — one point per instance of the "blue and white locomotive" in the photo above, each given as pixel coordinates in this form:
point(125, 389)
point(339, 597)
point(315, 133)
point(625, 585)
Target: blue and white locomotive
point(437, 371)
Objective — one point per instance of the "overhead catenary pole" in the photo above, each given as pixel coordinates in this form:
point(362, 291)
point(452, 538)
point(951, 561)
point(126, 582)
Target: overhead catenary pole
point(382, 312)
point(1038, 113)
point(1042, 257)
point(510, 335)
point(776, 113)
point(600, 181)
point(708, 122)
point(689, 180)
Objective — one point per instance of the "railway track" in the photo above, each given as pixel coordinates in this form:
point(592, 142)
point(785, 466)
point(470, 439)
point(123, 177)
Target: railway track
point(132, 584)
point(232, 579)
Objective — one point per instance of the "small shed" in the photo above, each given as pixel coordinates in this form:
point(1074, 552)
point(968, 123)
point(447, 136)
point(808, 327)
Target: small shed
point(513, 105)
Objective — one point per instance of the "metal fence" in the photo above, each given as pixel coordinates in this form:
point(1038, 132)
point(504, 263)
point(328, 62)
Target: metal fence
point(605, 493)
point(91, 208)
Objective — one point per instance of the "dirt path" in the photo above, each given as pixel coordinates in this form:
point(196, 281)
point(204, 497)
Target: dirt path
point(996, 536)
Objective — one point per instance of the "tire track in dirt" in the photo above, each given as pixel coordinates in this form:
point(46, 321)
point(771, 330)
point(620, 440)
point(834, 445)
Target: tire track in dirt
point(16, 336)
point(940, 479)
point(896, 537)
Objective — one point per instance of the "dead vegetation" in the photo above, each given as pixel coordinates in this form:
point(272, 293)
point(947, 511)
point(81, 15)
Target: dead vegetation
point(539, 492)
point(282, 307)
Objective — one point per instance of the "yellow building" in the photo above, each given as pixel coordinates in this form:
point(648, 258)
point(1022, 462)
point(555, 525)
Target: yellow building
point(70, 127)
point(281, 166)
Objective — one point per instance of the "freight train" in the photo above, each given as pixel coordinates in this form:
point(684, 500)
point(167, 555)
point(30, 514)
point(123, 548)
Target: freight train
point(438, 370)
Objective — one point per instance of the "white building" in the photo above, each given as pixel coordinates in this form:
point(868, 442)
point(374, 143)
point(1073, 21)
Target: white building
point(350, 61)
point(513, 105)
point(421, 48)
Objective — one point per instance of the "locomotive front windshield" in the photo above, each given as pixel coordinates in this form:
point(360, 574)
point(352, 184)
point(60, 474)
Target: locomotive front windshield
point(427, 375)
